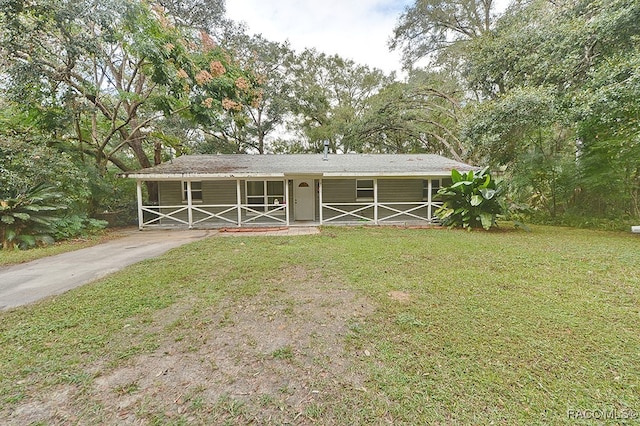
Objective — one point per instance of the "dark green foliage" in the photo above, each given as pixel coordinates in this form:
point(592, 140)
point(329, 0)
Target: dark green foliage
point(76, 225)
point(558, 85)
point(472, 200)
point(420, 115)
point(113, 199)
point(26, 161)
point(108, 75)
point(27, 217)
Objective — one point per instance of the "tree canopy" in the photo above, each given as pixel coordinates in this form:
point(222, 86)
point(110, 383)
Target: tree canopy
point(546, 93)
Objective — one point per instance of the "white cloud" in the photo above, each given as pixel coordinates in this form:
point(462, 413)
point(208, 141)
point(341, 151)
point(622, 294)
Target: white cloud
point(354, 29)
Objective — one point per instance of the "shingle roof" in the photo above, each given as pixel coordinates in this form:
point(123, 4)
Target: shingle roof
point(240, 165)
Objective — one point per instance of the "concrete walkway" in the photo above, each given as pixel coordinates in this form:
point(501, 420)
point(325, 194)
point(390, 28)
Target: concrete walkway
point(32, 281)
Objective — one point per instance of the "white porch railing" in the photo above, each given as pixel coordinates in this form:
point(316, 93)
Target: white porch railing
point(210, 215)
point(216, 214)
point(276, 212)
point(353, 214)
point(410, 211)
point(157, 215)
point(381, 212)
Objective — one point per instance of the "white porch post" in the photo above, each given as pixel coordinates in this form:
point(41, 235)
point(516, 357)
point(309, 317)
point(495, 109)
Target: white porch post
point(140, 212)
point(429, 206)
point(320, 198)
point(239, 201)
point(375, 201)
point(189, 205)
point(286, 200)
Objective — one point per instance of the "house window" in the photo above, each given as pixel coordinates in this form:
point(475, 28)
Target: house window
point(436, 184)
point(364, 189)
point(196, 191)
point(267, 194)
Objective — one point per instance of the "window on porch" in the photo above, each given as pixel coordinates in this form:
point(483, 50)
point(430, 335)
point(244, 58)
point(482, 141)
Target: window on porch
point(436, 184)
point(364, 190)
point(265, 195)
point(196, 191)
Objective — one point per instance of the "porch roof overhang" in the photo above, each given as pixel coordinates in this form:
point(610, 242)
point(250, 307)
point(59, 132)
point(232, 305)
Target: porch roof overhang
point(239, 166)
point(199, 176)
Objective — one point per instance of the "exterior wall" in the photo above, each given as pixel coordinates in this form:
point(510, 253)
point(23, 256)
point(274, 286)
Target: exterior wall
point(404, 191)
point(219, 192)
point(400, 200)
point(343, 191)
point(399, 190)
point(170, 193)
point(339, 190)
point(213, 192)
point(389, 190)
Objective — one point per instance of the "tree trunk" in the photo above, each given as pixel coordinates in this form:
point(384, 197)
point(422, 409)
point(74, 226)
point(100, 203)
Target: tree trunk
point(152, 190)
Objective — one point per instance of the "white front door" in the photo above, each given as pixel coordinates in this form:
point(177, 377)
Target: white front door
point(303, 199)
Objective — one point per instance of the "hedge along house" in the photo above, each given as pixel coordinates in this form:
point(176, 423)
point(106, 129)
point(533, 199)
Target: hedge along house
point(282, 190)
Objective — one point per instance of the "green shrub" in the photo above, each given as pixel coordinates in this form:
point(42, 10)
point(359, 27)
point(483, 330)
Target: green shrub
point(27, 216)
point(472, 200)
point(76, 225)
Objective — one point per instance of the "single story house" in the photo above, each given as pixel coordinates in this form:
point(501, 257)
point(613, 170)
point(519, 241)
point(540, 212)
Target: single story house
point(282, 190)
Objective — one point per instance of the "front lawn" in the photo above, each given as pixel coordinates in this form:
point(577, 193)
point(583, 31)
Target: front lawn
point(351, 326)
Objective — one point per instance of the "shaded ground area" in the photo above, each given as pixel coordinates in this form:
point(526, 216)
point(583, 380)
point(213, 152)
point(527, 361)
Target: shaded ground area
point(274, 358)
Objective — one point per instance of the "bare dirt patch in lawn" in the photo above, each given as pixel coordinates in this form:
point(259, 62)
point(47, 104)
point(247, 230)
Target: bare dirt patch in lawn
point(272, 358)
point(399, 296)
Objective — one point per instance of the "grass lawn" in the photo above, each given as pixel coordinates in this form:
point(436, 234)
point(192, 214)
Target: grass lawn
point(351, 326)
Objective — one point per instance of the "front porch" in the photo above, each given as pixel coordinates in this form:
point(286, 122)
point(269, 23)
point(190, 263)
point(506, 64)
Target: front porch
point(297, 201)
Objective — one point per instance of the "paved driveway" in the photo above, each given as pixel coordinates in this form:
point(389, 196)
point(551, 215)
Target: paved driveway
point(28, 282)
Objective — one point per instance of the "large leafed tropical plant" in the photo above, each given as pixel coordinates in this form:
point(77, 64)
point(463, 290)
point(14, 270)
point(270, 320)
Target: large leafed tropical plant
point(27, 217)
point(471, 201)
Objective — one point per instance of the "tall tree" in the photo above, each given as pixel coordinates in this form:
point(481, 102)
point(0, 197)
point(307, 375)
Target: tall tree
point(114, 70)
point(560, 79)
point(249, 129)
point(430, 28)
point(419, 115)
point(204, 15)
point(329, 94)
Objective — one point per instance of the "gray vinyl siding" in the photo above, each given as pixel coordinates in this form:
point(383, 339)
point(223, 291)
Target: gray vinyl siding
point(219, 192)
point(389, 191)
point(213, 192)
point(399, 190)
point(339, 190)
point(170, 193)
point(343, 191)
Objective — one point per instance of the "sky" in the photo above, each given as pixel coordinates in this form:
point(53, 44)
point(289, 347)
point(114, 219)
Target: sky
point(354, 29)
